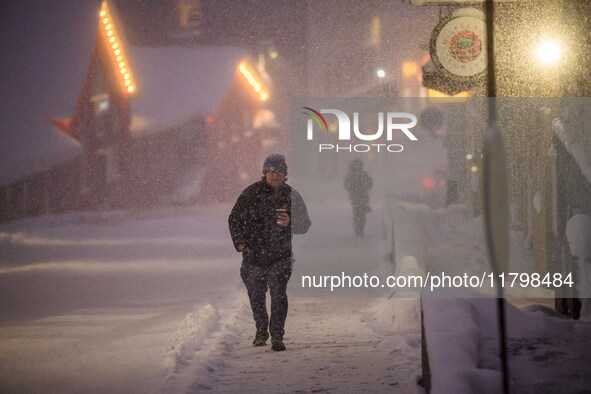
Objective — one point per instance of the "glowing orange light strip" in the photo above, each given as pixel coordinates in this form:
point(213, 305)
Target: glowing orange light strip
point(435, 95)
point(253, 81)
point(112, 40)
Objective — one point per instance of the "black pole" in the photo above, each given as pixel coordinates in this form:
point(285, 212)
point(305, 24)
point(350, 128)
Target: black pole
point(492, 84)
point(492, 124)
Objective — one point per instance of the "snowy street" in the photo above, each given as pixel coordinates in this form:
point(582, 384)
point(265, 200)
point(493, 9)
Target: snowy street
point(153, 302)
point(117, 302)
point(108, 300)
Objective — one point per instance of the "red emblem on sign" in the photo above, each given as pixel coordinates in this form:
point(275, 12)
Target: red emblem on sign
point(465, 46)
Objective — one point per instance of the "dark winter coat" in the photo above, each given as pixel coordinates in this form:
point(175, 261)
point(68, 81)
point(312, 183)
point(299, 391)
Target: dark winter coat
point(253, 222)
point(358, 183)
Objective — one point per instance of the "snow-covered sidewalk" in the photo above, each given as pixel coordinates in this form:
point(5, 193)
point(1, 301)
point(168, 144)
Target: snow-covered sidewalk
point(346, 339)
point(331, 347)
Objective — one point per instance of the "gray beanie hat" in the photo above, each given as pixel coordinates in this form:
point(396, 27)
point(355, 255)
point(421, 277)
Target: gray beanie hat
point(275, 162)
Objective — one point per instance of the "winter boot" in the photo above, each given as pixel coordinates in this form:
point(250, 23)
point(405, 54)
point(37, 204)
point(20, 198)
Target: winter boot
point(277, 345)
point(260, 338)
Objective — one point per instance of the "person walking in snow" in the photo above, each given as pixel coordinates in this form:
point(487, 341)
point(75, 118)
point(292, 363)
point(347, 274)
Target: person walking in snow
point(261, 223)
point(358, 182)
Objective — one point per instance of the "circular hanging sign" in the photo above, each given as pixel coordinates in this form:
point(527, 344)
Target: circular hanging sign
point(458, 43)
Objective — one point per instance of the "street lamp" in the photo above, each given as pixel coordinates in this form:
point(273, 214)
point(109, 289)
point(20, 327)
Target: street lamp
point(549, 52)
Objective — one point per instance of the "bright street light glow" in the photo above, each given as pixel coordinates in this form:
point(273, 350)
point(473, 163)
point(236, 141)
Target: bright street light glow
point(381, 73)
point(549, 52)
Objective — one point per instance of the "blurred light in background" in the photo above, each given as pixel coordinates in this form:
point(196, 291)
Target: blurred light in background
point(428, 182)
point(410, 69)
point(112, 39)
point(549, 52)
point(253, 81)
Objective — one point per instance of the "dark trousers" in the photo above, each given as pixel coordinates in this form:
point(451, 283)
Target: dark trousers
point(359, 218)
point(274, 277)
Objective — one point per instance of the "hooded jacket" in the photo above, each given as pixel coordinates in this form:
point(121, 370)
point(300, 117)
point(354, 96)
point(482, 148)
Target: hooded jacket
point(253, 222)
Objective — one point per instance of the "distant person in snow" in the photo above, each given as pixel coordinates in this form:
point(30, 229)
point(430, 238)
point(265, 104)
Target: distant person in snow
point(358, 183)
point(261, 223)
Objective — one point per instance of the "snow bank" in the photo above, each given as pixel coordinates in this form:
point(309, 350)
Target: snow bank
point(546, 353)
point(398, 314)
point(401, 310)
point(190, 186)
point(201, 347)
point(578, 233)
point(185, 340)
point(575, 146)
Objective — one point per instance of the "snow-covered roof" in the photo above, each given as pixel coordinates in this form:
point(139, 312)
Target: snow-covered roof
point(176, 84)
point(46, 49)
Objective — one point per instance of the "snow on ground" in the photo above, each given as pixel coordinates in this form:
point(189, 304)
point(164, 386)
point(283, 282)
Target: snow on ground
point(110, 302)
point(547, 354)
point(151, 301)
point(332, 347)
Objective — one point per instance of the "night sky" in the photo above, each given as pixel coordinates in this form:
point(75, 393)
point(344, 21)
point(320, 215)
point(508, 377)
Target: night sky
point(248, 24)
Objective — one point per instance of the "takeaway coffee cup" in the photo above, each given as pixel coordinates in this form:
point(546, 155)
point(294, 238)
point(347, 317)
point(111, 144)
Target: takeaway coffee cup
point(279, 211)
